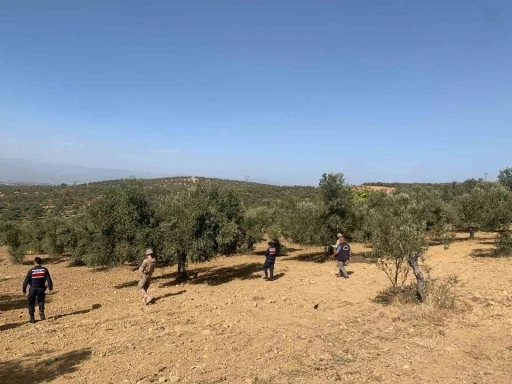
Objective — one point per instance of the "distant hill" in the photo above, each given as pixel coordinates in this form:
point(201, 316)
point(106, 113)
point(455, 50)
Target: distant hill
point(24, 172)
point(22, 183)
point(22, 201)
point(17, 171)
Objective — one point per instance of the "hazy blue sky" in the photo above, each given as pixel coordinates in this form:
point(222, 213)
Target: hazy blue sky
point(281, 90)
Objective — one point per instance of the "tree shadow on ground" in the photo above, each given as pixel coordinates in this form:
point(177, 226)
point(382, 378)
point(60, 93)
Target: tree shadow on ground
point(28, 371)
point(76, 264)
point(481, 253)
point(10, 303)
point(81, 312)
point(47, 259)
point(155, 299)
point(285, 249)
point(464, 239)
point(291, 249)
point(314, 257)
point(6, 327)
point(218, 276)
point(322, 257)
point(405, 294)
point(489, 242)
point(134, 283)
point(278, 275)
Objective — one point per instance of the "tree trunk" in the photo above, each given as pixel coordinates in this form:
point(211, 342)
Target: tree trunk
point(182, 267)
point(471, 233)
point(420, 279)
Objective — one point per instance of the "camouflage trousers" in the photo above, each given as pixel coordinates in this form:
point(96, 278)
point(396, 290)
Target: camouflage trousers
point(144, 282)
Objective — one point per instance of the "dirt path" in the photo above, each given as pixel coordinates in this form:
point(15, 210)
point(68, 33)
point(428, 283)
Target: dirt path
point(227, 325)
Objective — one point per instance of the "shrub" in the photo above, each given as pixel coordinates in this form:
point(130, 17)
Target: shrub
point(443, 293)
point(15, 237)
point(503, 245)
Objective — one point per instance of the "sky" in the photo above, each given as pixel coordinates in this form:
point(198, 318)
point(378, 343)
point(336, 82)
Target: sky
point(395, 90)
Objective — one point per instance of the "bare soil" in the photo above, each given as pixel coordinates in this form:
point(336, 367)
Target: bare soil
point(228, 325)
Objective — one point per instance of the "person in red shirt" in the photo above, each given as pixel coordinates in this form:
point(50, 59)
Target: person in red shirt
point(270, 260)
point(38, 278)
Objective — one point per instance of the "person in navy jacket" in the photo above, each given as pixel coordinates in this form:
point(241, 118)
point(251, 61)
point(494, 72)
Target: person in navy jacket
point(270, 260)
point(38, 278)
point(342, 256)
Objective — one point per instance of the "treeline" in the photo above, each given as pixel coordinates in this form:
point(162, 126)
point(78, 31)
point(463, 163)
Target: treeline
point(29, 202)
point(199, 220)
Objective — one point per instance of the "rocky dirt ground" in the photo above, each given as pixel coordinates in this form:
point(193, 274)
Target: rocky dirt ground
point(227, 325)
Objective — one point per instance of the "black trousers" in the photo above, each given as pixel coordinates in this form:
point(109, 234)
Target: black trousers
point(33, 294)
point(269, 266)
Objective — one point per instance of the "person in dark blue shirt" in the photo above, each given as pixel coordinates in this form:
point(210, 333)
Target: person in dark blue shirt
point(342, 256)
point(270, 260)
point(38, 278)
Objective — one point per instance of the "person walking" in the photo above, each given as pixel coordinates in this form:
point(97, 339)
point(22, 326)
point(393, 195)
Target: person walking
point(39, 279)
point(146, 269)
point(338, 237)
point(342, 256)
point(270, 260)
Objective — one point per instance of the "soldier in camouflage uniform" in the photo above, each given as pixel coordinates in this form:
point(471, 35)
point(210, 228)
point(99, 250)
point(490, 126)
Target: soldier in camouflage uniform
point(146, 269)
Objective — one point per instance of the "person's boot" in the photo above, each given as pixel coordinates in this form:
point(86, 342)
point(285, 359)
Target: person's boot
point(42, 316)
point(32, 319)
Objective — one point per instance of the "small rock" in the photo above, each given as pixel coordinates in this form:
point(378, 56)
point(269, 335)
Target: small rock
point(162, 380)
point(406, 367)
point(206, 332)
point(316, 306)
point(493, 303)
point(174, 378)
point(284, 298)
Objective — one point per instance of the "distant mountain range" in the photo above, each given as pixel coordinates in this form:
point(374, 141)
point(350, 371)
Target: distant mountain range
point(17, 171)
point(24, 172)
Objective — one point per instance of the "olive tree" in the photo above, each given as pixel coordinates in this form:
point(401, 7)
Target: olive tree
point(116, 226)
point(199, 223)
point(505, 177)
point(399, 239)
point(337, 199)
point(256, 221)
point(304, 223)
point(469, 208)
